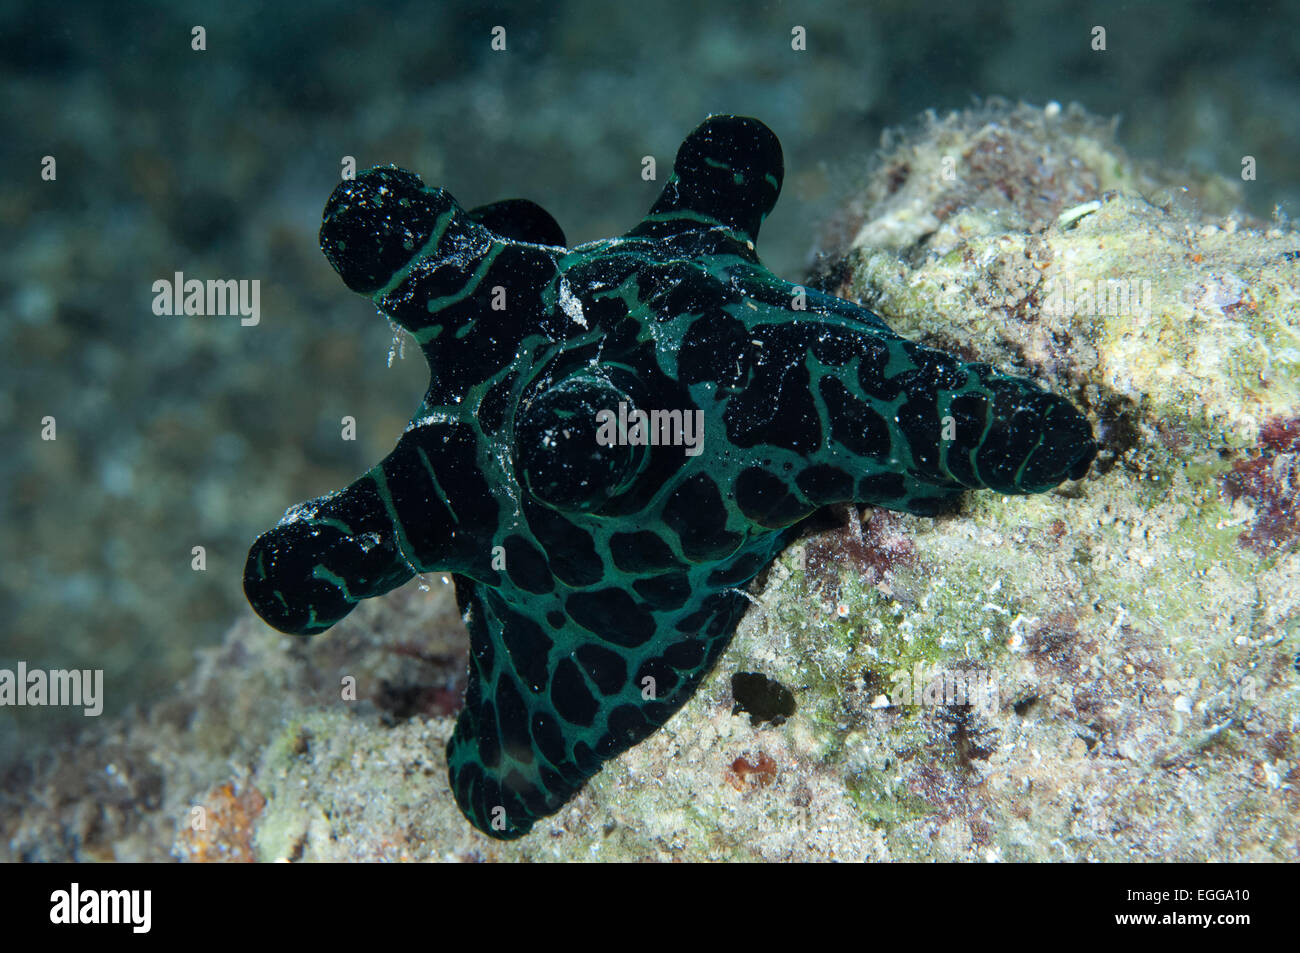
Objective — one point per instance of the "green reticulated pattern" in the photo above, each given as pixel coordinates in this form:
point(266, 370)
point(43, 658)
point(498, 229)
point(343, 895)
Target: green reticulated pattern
point(615, 440)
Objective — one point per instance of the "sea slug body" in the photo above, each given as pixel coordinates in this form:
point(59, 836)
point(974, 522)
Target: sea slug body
point(598, 562)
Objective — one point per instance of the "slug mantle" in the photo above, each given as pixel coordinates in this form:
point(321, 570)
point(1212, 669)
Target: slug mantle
point(600, 578)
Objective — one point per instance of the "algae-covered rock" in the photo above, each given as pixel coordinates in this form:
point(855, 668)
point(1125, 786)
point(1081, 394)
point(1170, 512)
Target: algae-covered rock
point(1026, 238)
